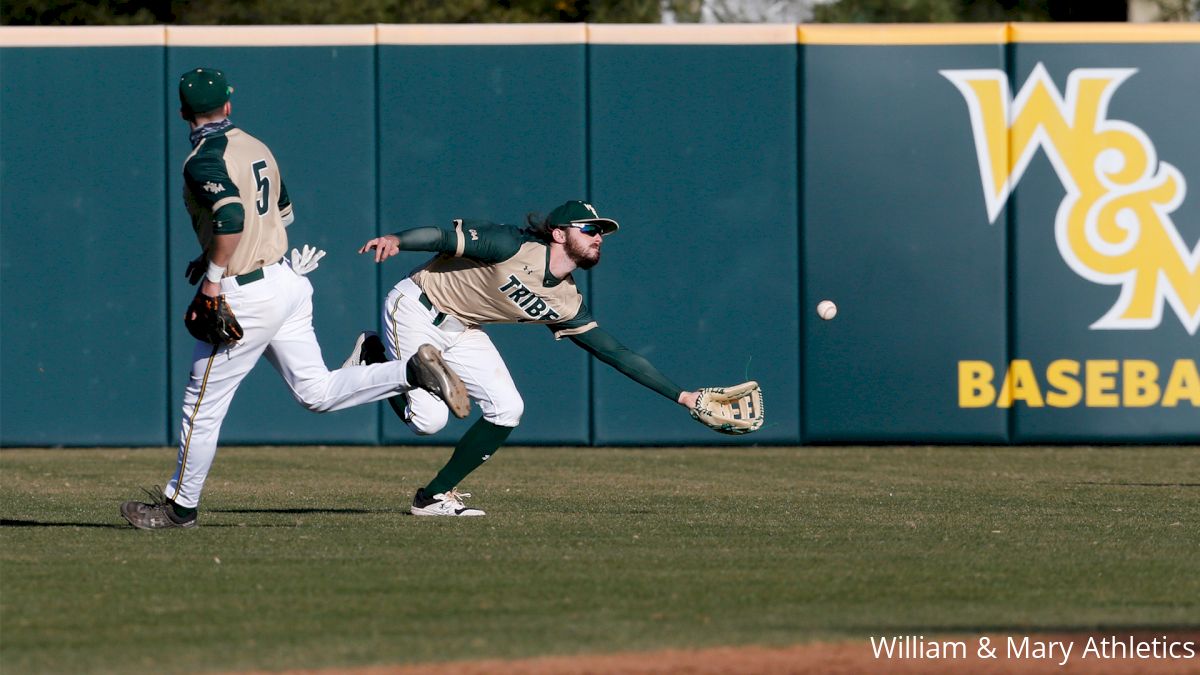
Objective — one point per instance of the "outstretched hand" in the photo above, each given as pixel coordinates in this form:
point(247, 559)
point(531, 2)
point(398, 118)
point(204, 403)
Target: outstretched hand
point(385, 247)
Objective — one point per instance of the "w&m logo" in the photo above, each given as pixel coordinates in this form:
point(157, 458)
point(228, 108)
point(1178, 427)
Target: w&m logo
point(1113, 225)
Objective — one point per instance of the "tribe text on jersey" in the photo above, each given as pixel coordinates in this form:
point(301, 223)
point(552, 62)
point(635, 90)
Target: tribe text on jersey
point(499, 277)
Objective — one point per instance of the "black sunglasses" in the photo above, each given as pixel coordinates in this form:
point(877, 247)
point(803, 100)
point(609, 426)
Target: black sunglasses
point(590, 229)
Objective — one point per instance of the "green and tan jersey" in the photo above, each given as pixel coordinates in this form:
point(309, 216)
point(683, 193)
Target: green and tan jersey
point(490, 273)
point(231, 185)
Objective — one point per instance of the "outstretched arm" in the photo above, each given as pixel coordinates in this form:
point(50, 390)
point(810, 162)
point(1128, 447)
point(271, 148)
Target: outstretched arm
point(432, 239)
point(602, 345)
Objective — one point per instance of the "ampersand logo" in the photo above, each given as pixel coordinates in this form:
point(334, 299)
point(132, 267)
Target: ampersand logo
point(1114, 224)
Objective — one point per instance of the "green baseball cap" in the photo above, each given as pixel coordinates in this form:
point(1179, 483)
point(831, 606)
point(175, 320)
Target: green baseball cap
point(203, 89)
point(576, 211)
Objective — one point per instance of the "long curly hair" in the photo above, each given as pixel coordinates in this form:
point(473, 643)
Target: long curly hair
point(537, 225)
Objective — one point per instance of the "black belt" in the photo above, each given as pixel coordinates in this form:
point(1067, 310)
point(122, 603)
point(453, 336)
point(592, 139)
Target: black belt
point(249, 277)
point(440, 317)
point(252, 276)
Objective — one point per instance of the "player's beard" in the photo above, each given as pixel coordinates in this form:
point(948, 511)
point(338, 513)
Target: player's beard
point(582, 252)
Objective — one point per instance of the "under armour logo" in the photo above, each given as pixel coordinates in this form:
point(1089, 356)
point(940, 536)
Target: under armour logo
point(474, 235)
point(527, 269)
point(214, 187)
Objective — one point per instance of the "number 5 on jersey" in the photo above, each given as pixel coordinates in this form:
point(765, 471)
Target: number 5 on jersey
point(264, 187)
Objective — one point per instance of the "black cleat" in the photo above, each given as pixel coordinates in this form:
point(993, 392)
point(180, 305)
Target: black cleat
point(158, 514)
point(368, 349)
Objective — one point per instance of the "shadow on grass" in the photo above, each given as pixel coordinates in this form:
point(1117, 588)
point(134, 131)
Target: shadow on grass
point(7, 522)
point(13, 522)
point(298, 511)
point(16, 522)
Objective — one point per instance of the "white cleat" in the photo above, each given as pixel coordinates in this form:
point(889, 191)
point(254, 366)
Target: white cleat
point(442, 504)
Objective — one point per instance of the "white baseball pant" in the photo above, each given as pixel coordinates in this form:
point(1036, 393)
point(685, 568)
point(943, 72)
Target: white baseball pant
point(468, 351)
point(275, 313)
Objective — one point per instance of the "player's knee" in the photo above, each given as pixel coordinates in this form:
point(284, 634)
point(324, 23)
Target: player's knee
point(506, 413)
point(427, 420)
point(423, 413)
point(313, 401)
point(313, 394)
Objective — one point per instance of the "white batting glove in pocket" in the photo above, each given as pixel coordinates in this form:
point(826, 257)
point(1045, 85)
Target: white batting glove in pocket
point(306, 261)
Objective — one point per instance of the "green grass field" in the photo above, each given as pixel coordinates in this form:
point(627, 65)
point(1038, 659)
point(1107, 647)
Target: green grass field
point(305, 557)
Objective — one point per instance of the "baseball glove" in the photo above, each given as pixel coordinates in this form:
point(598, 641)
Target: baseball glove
point(730, 410)
point(210, 320)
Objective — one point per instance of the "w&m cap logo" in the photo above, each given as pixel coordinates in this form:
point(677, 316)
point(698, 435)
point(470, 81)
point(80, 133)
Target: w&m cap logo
point(1113, 226)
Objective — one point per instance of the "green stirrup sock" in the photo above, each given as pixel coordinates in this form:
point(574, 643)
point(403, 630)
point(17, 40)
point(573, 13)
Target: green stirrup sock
point(480, 441)
point(182, 513)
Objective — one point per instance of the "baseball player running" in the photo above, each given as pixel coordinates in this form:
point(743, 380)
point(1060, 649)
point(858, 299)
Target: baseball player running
point(490, 273)
point(254, 301)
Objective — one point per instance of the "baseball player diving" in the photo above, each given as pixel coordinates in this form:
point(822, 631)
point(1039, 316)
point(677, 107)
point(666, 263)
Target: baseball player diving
point(254, 301)
point(492, 273)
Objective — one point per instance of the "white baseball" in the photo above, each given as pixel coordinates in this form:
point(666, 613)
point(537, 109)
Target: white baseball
point(826, 309)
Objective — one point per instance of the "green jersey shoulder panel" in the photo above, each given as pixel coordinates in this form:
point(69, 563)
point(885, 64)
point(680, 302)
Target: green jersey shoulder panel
point(582, 322)
point(486, 241)
point(206, 176)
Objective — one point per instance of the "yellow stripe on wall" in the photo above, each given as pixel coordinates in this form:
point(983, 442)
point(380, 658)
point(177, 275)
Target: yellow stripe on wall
point(1106, 32)
point(578, 33)
point(904, 34)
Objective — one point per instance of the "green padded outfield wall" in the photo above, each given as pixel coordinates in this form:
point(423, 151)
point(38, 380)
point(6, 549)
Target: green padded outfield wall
point(1000, 211)
point(886, 196)
point(83, 266)
point(487, 124)
point(1013, 262)
point(693, 149)
point(1106, 264)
